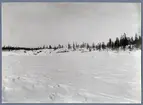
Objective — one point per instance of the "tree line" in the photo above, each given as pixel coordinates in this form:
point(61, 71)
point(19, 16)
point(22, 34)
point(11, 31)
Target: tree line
point(11, 48)
point(122, 42)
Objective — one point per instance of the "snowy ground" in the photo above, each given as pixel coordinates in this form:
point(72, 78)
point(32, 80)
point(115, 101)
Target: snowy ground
point(71, 77)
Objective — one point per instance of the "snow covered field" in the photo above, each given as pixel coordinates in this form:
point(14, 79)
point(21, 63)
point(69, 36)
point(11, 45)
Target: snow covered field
point(71, 77)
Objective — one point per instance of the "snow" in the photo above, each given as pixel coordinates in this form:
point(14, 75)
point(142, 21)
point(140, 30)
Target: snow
point(71, 77)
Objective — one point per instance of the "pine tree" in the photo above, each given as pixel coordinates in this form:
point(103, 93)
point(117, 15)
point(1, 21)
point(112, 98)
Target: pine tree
point(123, 41)
point(93, 46)
point(109, 44)
point(50, 47)
point(98, 47)
point(136, 39)
point(87, 46)
point(82, 45)
point(74, 48)
point(117, 43)
point(44, 47)
point(62, 46)
point(55, 48)
point(59, 46)
point(77, 46)
point(69, 46)
point(103, 46)
point(112, 45)
point(131, 40)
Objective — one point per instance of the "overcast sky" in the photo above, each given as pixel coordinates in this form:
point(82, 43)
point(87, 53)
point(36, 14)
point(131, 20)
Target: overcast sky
point(35, 24)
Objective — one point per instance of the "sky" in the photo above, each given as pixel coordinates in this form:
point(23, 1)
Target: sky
point(32, 24)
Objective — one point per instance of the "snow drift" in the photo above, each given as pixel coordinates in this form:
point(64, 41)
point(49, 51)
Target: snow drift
point(72, 77)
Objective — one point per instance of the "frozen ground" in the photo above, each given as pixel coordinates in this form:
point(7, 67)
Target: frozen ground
point(71, 77)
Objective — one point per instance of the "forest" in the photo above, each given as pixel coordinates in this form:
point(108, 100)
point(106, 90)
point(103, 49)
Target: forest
point(121, 43)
